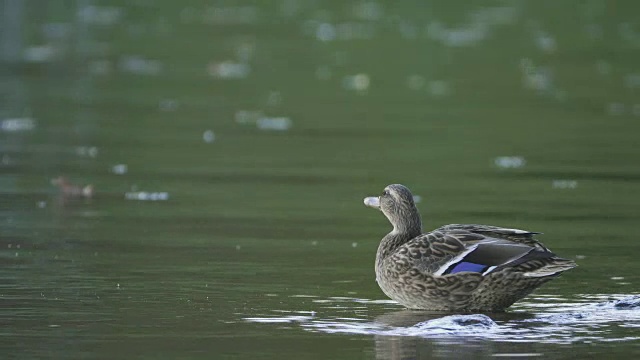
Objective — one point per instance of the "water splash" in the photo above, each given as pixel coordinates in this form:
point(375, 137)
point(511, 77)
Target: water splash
point(547, 319)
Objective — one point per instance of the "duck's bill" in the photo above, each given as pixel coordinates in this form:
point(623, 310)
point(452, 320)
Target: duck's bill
point(372, 201)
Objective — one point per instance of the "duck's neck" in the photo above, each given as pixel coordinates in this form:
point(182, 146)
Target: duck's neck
point(403, 231)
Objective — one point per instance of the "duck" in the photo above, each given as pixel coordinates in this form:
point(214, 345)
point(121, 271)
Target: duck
point(71, 190)
point(457, 267)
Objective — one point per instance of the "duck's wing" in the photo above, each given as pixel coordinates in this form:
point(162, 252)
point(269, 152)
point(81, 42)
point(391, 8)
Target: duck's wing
point(430, 251)
point(456, 250)
point(516, 235)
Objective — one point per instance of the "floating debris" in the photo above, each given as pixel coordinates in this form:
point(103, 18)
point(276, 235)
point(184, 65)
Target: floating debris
point(120, 169)
point(274, 123)
point(564, 184)
point(509, 162)
point(228, 70)
point(18, 124)
point(358, 82)
point(354, 244)
point(146, 196)
point(41, 204)
point(417, 198)
point(209, 136)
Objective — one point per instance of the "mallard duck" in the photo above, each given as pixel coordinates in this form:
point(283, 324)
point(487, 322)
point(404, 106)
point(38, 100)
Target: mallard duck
point(457, 267)
point(71, 190)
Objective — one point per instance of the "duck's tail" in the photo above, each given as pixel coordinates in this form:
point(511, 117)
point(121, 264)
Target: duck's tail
point(553, 266)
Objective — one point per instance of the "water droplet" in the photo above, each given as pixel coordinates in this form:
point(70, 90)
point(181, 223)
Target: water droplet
point(325, 32)
point(17, 124)
point(509, 162)
point(146, 196)
point(119, 169)
point(208, 136)
point(228, 70)
point(564, 184)
point(274, 123)
point(358, 82)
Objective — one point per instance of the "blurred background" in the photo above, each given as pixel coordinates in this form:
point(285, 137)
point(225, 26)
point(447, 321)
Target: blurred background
point(170, 169)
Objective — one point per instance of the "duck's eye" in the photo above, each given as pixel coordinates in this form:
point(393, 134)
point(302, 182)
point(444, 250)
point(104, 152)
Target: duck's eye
point(385, 193)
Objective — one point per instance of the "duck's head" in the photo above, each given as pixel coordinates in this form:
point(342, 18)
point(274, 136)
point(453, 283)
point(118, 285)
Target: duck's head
point(396, 203)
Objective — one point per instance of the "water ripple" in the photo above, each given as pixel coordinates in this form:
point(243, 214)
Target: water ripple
point(585, 318)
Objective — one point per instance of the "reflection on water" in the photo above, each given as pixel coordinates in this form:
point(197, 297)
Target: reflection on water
point(539, 320)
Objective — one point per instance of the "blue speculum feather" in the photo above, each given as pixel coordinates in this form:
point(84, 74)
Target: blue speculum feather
point(467, 266)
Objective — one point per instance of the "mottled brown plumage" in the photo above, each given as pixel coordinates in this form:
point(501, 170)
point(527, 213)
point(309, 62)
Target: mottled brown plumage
point(457, 267)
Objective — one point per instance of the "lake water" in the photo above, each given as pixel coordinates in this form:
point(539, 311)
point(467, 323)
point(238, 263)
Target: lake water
point(230, 145)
